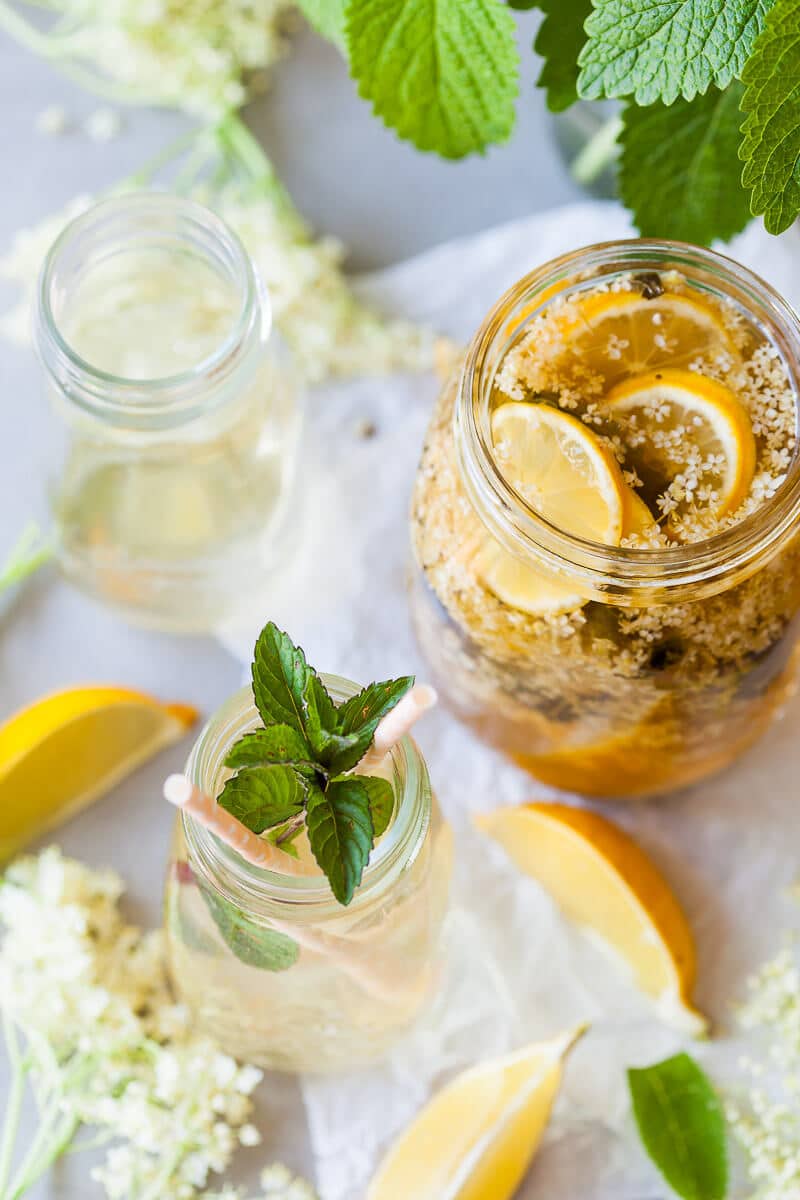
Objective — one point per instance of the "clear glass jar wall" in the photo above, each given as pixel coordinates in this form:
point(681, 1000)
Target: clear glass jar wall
point(673, 658)
point(179, 416)
point(271, 964)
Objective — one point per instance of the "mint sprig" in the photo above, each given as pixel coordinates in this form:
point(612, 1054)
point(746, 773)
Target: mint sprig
point(682, 1126)
point(293, 773)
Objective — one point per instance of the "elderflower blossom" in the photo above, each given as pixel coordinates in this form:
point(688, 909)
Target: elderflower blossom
point(106, 1041)
point(205, 56)
point(768, 1123)
point(329, 330)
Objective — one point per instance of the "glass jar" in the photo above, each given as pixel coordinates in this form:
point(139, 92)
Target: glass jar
point(677, 656)
point(179, 417)
point(271, 965)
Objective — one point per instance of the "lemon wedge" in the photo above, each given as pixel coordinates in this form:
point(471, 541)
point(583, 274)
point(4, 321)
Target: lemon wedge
point(604, 881)
point(623, 333)
point(677, 410)
point(476, 1138)
point(61, 753)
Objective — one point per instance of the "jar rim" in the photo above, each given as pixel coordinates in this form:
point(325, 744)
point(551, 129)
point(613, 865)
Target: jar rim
point(268, 891)
point(159, 401)
point(628, 575)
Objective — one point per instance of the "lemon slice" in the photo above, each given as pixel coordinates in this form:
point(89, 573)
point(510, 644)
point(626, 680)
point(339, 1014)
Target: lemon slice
point(622, 333)
point(523, 587)
point(476, 1138)
point(64, 751)
point(605, 882)
point(679, 412)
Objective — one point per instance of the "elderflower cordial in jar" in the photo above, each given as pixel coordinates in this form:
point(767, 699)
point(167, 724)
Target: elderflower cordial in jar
point(270, 962)
point(605, 519)
point(178, 409)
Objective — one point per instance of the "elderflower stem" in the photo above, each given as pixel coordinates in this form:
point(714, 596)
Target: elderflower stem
point(30, 553)
point(598, 153)
point(19, 1067)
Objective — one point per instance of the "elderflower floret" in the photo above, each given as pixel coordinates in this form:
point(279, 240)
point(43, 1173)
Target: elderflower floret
point(106, 1044)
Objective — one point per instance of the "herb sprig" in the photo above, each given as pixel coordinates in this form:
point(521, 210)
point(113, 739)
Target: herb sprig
point(294, 772)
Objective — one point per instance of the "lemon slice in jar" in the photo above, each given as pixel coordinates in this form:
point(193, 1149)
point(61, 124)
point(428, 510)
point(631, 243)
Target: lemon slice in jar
point(561, 469)
point(624, 333)
point(476, 1138)
point(603, 881)
point(691, 428)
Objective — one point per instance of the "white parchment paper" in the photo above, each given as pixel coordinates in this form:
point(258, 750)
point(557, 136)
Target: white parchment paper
point(516, 971)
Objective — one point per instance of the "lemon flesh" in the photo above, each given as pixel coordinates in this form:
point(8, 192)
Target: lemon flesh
point(66, 750)
point(476, 1138)
point(603, 881)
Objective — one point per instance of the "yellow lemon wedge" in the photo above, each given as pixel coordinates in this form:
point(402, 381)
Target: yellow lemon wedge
point(624, 333)
point(682, 415)
point(561, 469)
point(602, 880)
point(476, 1138)
point(66, 750)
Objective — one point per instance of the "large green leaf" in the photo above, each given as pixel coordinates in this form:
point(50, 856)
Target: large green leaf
point(280, 674)
point(340, 833)
point(443, 73)
point(261, 797)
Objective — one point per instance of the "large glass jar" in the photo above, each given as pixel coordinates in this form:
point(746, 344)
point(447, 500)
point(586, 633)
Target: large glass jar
point(180, 422)
point(270, 964)
point(674, 658)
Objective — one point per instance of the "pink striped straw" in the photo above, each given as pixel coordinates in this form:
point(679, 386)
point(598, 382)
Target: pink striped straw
point(396, 724)
point(181, 792)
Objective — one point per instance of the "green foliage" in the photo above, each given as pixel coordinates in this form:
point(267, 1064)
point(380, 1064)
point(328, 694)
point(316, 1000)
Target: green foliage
point(252, 943)
point(444, 74)
point(327, 17)
point(679, 171)
point(771, 131)
point(559, 41)
point(668, 48)
point(680, 1122)
point(290, 772)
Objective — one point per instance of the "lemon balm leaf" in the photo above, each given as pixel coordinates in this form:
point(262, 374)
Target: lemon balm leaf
point(667, 48)
point(682, 1127)
point(327, 17)
point(444, 74)
point(771, 130)
point(679, 169)
point(559, 41)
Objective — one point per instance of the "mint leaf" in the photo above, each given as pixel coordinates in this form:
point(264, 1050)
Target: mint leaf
point(771, 131)
point(320, 715)
point(277, 744)
point(372, 704)
point(666, 48)
point(679, 171)
point(443, 73)
point(253, 944)
point(381, 801)
point(261, 797)
point(682, 1127)
point(327, 17)
point(560, 39)
point(280, 674)
point(340, 833)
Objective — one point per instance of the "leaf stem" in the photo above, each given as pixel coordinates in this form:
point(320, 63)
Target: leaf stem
point(598, 153)
point(19, 1067)
point(30, 553)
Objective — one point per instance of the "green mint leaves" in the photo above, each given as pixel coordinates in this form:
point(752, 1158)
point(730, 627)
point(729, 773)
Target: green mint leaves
point(666, 49)
point(293, 772)
point(771, 131)
point(679, 170)
point(681, 1124)
point(444, 74)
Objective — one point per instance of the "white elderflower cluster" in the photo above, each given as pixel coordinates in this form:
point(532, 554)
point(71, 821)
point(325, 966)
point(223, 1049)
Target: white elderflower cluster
point(328, 329)
point(205, 56)
point(768, 1123)
point(106, 1044)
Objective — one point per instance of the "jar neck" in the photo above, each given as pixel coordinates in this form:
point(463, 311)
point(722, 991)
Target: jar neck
point(187, 233)
point(308, 897)
point(619, 575)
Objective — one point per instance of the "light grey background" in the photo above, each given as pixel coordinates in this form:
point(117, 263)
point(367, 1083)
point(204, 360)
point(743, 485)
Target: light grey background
point(351, 177)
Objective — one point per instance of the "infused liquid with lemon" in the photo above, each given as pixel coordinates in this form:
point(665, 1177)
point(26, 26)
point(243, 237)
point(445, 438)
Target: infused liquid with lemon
point(604, 520)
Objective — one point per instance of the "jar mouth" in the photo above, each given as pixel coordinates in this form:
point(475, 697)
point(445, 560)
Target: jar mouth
point(163, 222)
point(267, 891)
point(626, 574)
